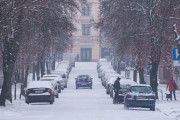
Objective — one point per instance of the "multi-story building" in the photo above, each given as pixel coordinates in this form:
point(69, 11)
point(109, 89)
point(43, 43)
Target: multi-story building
point(86, 38)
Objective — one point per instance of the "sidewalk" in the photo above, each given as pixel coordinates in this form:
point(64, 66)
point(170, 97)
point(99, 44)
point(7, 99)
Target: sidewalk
point(169, 108)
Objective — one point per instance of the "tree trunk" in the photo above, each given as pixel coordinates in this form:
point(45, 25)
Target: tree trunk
point(34, 71)
point(141, 76)
point(135, 75)
point(42, 63)
point(153, 78)
point(24, 83)
point(38, 69)
point(47, 67)
point(53, 64)
point(9, 57)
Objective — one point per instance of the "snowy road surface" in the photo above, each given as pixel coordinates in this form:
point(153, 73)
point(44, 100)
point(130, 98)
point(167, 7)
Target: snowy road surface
point(81, 104)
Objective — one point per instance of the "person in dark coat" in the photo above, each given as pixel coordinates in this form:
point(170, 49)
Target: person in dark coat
point(172, 87)
point(116, 89)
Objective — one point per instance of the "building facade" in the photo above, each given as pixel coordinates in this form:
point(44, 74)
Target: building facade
point(86, 43)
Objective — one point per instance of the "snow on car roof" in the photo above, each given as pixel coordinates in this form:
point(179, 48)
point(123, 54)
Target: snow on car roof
point(122, 81)
point(39, 84)
point(48, 79)
point(127, 81)
point(141, 85)
point(51, 76)
point(58, 72)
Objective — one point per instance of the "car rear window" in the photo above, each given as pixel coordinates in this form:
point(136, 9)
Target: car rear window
point(141, 89)
point(125, 86)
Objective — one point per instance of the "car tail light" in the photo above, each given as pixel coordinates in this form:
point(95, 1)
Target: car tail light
point(153, 96)
point(78, 80)
point(58, 82)
point(28, 91)
point(49, 90)
point(89, 80)
point(120, 92)
point(128, 95)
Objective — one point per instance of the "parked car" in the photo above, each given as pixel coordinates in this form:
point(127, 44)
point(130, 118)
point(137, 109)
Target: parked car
point(83, 81)
point(125, 85)
point(58, 79)
point(64, 76)
point(65, 66)
point(55, 85)
point(39, 91)
point(109, 85)
point(140, 96)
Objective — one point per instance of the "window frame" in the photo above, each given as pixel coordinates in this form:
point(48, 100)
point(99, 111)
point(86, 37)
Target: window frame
point(86, 29)
point(86, 11)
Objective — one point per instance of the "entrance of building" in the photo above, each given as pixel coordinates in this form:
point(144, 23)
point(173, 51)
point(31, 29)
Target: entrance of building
point(86, 54)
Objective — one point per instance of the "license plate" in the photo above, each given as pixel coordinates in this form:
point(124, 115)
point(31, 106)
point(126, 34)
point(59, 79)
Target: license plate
point(38, 92)
point(140, 97)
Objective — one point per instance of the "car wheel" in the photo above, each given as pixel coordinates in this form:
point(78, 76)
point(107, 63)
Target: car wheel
point(27, 102)
point(57, 96)
point(125, 106)
point(52, 99)
point(51, 102)
point(152, 108)
point(91, 87)
point(114, 101)
point(76, 87)
point(62, 88)
point(107, 92)
point(59, 91)
point(65, 86)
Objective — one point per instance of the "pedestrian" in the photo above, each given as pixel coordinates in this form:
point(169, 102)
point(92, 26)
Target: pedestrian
point(77, 57)
point(116, 90)
point(172, 87)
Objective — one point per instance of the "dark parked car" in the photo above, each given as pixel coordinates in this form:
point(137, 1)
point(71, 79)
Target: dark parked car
point(140, 96)
point(40, 91)
point(83, 81)
point(122, 92)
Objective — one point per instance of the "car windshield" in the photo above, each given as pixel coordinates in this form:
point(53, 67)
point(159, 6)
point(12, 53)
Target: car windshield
point(83, 77)
point(141, 89)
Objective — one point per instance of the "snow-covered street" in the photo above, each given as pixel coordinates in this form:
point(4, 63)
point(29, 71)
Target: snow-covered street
point(80, 104)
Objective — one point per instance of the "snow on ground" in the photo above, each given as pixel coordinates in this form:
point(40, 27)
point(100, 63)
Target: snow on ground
point(87, 104)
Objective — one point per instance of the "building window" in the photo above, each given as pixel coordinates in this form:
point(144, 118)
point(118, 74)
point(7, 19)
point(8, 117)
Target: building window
point(86, 11)
point(85, 29)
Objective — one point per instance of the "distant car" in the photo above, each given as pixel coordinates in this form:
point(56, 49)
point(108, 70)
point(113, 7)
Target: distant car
point(52, 80)
point(140, 96)
point(39, 91)
point(83, 81)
